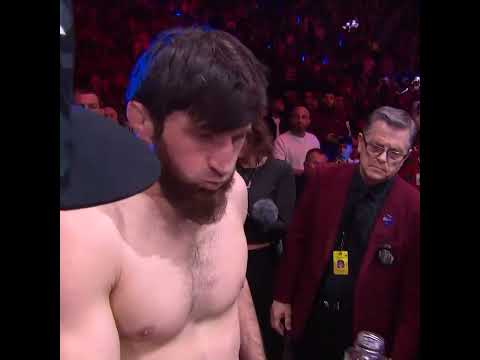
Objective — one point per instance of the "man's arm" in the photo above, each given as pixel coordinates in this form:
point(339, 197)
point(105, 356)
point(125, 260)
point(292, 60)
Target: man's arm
point(87, 274)
point(251, 345)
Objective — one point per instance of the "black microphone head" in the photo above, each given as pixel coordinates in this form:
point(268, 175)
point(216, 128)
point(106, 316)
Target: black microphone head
point(265, 211)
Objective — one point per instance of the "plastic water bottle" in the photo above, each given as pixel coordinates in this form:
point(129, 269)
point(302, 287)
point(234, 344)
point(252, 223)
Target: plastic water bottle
point(368, 346)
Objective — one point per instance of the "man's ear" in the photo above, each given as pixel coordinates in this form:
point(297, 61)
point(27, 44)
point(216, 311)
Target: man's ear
point(139, 121)
point(361, 143)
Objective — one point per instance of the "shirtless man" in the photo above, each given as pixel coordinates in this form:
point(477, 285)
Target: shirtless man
point(161, 275)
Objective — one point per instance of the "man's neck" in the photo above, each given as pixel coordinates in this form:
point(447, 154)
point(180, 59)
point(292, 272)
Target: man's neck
point(370, 183)
point(298, 133)
point(169, 214)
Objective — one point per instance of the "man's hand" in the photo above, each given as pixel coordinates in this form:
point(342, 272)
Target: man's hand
point(279, 312)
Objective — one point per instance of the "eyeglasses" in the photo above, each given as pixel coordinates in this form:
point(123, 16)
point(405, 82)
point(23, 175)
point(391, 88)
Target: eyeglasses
point(376, 150)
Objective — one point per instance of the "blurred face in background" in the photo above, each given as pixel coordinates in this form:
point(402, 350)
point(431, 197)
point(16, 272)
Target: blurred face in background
point(345, 151)
point(307, 95)
point(89, 101)
point(314, 160)
point(291, 96)
point(368, 65)
point(299, 120)
point(278, 106)
point(329, 100)
point(311, 103)
point(110, 113)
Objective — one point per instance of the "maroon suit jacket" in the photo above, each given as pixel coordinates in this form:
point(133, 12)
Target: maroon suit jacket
point(386, 297)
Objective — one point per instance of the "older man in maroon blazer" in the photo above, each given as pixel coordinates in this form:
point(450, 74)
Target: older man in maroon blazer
point(367, 217)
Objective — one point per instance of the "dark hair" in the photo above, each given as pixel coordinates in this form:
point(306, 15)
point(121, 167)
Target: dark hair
point(87, 91)
point(259, 139)
point(397, 118)
point(84, 91)
point(207, 73)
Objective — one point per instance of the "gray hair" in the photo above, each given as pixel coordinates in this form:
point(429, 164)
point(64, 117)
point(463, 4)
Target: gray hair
point(396, 118)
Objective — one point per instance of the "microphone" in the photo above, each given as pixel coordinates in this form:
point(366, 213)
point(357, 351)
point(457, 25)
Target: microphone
point(264, 212)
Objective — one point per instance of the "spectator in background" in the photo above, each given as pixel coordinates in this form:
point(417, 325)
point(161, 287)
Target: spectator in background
point(88, 99)
point(311, 101)
point(291, 98)
point(293, 145)
point(345, 151)
point(110, 113)
point(272, 179)
point(330, 124)
point(275, 120)
point(366, 79)
point(313, 160)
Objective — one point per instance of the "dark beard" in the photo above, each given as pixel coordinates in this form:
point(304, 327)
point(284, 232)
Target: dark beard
point(192, 202)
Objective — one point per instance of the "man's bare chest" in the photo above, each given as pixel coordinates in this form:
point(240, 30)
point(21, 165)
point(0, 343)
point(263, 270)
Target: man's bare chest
point(166, 283)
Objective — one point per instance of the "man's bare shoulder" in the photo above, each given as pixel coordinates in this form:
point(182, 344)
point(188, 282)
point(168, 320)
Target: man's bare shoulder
point(239, 195)
point(135, 205)
point(94, 222)
point(90, 240)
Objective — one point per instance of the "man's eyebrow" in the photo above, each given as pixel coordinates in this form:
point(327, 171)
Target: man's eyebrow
point(197, 127)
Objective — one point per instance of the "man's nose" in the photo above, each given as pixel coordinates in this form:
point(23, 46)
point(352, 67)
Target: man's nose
point(222, 160)
point(383, 157)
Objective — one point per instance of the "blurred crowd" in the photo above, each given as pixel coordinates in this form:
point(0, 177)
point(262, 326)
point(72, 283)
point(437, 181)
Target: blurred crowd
point(339, 75)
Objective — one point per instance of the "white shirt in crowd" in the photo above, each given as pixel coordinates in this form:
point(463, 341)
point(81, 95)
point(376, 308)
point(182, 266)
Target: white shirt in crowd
point(293, 149)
